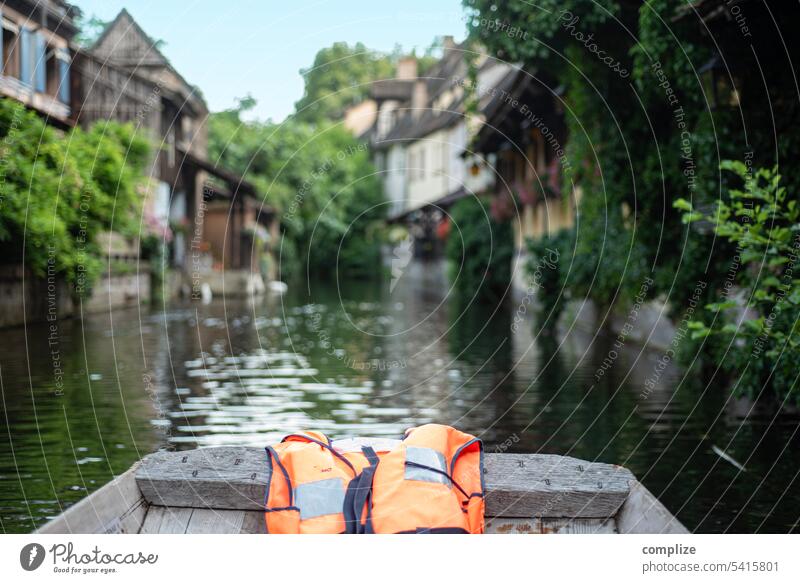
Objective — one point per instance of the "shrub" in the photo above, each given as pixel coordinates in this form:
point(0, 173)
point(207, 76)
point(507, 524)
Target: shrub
point(59, 190)
point(479, 250)
point(548, 256)
point(759, 318)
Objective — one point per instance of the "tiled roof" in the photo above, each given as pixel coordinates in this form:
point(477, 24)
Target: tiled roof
point(399, 89)
point(411, 127)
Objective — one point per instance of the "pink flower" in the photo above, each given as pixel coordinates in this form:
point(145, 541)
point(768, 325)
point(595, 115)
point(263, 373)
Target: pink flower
point(527, 195)
point(502, 206)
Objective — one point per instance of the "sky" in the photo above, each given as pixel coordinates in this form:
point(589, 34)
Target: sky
point(230, 48)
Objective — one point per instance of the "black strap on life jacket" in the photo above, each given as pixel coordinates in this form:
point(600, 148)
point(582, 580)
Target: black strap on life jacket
point(358, 495)
point(440, 472)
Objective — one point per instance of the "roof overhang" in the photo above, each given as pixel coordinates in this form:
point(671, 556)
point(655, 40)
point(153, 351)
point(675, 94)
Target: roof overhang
point(444, 202)
point(236, 185)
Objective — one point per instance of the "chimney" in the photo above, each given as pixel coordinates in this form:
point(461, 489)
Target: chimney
point(407, 68)
point(448, 44)
point(419, 98)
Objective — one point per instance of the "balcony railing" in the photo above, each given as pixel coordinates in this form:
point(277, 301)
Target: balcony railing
point(47, 104)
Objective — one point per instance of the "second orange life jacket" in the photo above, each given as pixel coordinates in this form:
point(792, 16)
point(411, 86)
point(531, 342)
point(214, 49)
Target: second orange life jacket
point(432, 482)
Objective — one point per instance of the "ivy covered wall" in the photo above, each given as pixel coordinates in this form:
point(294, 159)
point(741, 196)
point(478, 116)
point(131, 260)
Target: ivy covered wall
point(656, 95)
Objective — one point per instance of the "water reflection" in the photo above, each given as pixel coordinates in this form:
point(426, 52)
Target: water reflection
point(359, 359)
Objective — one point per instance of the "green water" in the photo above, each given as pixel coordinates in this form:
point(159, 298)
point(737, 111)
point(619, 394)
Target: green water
point(359, 359)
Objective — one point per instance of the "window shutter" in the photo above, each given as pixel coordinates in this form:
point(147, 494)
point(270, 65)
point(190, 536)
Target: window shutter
point(64, 80)
point(40, 63)
point(25, 55)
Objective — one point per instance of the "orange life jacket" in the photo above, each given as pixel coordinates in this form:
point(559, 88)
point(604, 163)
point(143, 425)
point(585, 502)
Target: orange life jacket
point(431, 482)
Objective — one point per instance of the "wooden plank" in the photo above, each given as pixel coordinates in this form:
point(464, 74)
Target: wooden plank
point(216, 521)
point(551, 526)
point(226, 478)
point(538, 485)
point(161, 520)
point(152, 520)
point(116, 508)
point(643, 513)
point(254, 522)
point(518, 485)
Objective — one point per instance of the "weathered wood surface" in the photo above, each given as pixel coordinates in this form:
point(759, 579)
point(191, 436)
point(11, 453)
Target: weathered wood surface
point(163, 520)
point(116, 508)
point(221, 490)
point(551, 526)
point(517, 485)
point(254, 522)
point(643, 513)
point(523, 485)
point(226, 478)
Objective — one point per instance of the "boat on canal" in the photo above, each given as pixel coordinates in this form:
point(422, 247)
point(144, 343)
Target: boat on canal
point(221, 490)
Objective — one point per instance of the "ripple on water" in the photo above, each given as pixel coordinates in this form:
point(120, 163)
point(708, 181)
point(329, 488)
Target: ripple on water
point(255, 397)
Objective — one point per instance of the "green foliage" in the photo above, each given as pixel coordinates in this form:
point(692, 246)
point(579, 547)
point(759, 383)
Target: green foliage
point(762, 222)
point(628, 143)
point(89, 29)
point(643, 135)
point(342, 74)
point(546, 270)
point(154, 251)
point(320, 179)
point(59, 190)
point(479, 251)
point(340, 77)
point(541, 20)
point(602, 116)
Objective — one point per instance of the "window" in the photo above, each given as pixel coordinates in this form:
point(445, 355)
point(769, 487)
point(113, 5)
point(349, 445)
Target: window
point(187, 128)
point(171, 147)
point(384, 122)
point(57, 74)
point(52, 77)
point(10, 33)
point(505, 168)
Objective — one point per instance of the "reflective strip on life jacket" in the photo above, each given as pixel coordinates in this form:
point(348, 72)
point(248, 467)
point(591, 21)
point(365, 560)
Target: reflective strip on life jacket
point(427, 465)
point(320, 498)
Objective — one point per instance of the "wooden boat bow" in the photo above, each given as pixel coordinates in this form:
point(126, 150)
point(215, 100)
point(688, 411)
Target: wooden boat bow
point(222, 489)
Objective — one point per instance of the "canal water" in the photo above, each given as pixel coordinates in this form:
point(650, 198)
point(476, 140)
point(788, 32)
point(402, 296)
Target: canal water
point(81, 405)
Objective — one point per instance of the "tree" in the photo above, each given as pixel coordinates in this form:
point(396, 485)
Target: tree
point(321, 180)
point(89, 29)
point(339, 77)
